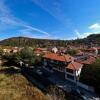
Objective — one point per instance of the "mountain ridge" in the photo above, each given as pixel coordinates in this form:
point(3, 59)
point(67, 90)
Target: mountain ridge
point(27, 41)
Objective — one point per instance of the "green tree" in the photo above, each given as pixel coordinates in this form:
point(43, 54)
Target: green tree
point(12, 59)
point(91, 75)
point(71, 52)
point(27, 55)
point(26, 52)
point(1, 52)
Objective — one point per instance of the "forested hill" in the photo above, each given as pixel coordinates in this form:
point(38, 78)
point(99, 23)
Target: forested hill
point(25, 41)
point(94, 39)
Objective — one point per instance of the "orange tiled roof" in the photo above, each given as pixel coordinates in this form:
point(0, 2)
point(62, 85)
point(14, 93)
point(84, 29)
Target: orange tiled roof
point(74, 65)
point(38, 49)
point(98, 56)
point(98, 48)
point(38, 52)
point(88, 61)
point(58, 57)
point(93, 48)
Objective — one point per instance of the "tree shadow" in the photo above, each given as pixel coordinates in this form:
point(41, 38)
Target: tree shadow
point(9, 71)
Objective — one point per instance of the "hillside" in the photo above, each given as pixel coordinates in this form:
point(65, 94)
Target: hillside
point(14, 86)
point(25, 41)
point(91, 39)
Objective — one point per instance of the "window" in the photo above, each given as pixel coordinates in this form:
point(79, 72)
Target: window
point(60, 68)
point(70, 76)
point(61, 63)
point(69, 70)
point(51, 61)
point(55, 61)
point(45, 60)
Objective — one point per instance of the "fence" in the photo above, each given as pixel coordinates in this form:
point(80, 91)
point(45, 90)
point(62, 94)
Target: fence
point(89, 88)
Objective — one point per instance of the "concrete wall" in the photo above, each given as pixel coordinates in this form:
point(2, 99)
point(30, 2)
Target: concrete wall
point(72, 74)
point(70, 79)
point(78, 72)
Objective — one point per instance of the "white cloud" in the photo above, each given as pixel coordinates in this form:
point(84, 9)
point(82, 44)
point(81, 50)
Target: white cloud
point(93, 29)
point(77, 33)
point(36, 29)
point(82, 35)
point(28, 32)
point(95, 26)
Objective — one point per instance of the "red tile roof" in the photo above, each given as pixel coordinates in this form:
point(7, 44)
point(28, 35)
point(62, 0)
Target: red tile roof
point(98, 48)
point(38, 52)
point(38, 49)
point(74, 66)
point(58, 57)
point(90, 60)
point(93, 49)
point(98, 56)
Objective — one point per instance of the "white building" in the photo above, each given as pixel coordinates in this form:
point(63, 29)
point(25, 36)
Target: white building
point(55, 50)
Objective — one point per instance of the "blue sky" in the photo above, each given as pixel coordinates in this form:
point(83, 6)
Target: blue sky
point(50, 19)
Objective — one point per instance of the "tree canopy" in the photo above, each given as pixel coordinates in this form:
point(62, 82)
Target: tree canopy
point(91, 75)
point(1, 52)
point(71, 52)
point(26, 55)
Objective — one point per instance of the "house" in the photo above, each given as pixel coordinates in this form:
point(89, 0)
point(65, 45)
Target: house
point(15, 49)
point(40, 51)
point(62, 63)
point(55, 50)
point(87, 61)
point(6, 50)
point(98, 48)
point(11, 50)
point(73, 71)
point(93, 50)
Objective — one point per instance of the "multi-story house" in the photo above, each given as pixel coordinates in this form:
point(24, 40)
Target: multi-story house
point(63, 63)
